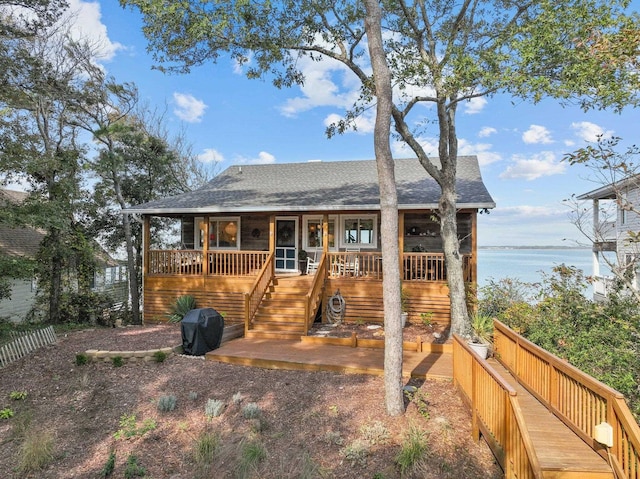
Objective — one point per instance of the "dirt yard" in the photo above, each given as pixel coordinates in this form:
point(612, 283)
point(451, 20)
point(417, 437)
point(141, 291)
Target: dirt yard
point(303, 425)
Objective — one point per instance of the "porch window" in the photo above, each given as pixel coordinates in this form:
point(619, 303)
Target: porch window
point(224, 233)
point(360, 231)
point(312, 240)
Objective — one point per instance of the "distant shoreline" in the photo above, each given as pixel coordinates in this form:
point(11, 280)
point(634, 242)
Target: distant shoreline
point(535, 247)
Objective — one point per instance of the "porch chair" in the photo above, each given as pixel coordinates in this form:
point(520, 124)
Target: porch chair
point(352, 264)
point(312, 263)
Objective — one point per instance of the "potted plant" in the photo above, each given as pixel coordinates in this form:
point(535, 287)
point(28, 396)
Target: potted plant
point(482, 333)
point(302, 261)
point(404, 304)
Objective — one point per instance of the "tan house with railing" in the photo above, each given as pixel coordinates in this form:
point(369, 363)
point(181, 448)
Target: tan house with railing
point(242, 233)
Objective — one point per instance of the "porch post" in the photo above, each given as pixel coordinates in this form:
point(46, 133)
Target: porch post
point(272, 234)
point(401, 244)
point(205, 247)
point(473, 263)
point(146, 242)
point(325, 234)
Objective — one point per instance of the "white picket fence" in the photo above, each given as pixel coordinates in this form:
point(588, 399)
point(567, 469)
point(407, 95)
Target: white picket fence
point(25, 343)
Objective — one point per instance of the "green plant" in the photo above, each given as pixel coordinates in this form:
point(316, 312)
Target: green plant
point(117, 361)
point(109, 466)
point(205, 448)
point(193, 395)
point(6, 413)
point(356, 452)
point(427, 318)
point(332, 437)
point(159, 356)
point(414, 447)
point(251, 454)
point(302, 255)
point(36, 451)
point(81, 359)
point(167, 403)
point(129, 427)
point(404, 300)
point(376, 433)
point(251, 411)
point(237, 398)
point(180, 308)
point(214, 408)
point(133, 469)
point(419, 398)
point(18, 395)
point(482, 327)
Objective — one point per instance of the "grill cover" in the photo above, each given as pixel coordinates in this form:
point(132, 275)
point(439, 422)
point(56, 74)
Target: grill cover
point(201, 331)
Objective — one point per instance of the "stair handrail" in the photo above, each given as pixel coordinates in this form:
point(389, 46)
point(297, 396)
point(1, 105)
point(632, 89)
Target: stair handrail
point(315, 290)
point(253, 298)
point(553, 378)
point(500, 420)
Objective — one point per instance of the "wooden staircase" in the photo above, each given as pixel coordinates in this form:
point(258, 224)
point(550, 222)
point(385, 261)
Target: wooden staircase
point(281, 313)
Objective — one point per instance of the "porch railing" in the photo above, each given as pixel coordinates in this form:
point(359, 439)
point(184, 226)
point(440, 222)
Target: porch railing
point(253, 298)
point(431, 267)
point(314, 296)
point(355, 264)
point(220, 263)
point(579, 400)
point(496, 412)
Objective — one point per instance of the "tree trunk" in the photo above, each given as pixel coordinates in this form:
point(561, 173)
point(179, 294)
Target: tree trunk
point(55, 286)
point(389, 214)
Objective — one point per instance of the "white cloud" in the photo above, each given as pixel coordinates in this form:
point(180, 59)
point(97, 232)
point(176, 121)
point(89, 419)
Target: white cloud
point(587, 131)
point(475, 105)
point(263, 158)
point(188, 108)
point(209, 155)
point(482, 150)
point(541, 164)
point(364, 123)
point(487, 131)
point(87, 25)
point(537, 134)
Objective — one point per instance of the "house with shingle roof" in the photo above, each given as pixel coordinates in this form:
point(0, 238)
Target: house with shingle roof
point(24, 242)
point(244, 232)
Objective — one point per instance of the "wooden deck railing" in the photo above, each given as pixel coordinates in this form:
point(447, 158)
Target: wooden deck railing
point(355, 264)
point(314, 296)
point(253, 298)
point(579, 400)
point(495, 412)
point(219, 263)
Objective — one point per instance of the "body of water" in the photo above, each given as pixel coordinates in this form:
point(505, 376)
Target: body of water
point(527, 264)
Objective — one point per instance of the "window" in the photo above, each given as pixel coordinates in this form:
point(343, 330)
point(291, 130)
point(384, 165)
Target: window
point(359, 231)
point(312, 240)
point(224, 233)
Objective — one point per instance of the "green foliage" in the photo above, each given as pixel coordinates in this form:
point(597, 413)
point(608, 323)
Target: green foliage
point(18, 395)
point(237, 398)
point(250, 456)
point(159, 356)
point(167, 403)
point(251, 411)
point(426, 318)
point(482, 327)
point(181, 306)
point(129, 427)
point(214, 408)
point(109, 466)
point(133, 469)
point(81, 359)
point(375, 433)
point(414, 447)
point(497, 296)
point(419, 398)
point(357, 452)
point(36, 451)
point(205, 448)
point(6, 413)
point(117, 361)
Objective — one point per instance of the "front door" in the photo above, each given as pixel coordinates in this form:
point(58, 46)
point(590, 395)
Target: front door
point(287, 244)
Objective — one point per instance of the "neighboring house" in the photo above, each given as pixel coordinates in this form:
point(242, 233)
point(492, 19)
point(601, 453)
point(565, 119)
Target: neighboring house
point(242, 234)
point(614, 237)
point(25, 242)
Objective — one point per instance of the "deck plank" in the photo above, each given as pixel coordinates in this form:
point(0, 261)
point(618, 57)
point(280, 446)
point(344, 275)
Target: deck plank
point(295, 354)
point(561, 453)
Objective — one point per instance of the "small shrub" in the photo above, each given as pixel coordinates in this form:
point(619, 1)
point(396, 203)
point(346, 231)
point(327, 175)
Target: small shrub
point(205, 448)
point(419, 398)
point(356, 453)
point(159, 356)
point(109, 466)
point(414, 447)
point(180, 308)
point(213, 408)
point(237, 398)
point(251, 411)
point(133, 469)
point(376, 433)
point(251, 454)
point(6, 413)
point(167, 403)
point(333, 437)
point(193, 395)
point(81, 359)
point(18, 395)
point(426, 318)
point(129, 427)
point(117, 361)
point(36, 451)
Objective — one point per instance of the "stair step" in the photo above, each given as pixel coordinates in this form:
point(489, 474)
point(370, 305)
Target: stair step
point(280, 327)
point(272, 335)
point(278, 319)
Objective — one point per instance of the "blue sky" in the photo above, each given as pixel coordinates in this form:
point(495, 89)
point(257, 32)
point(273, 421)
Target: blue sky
point(231, 120)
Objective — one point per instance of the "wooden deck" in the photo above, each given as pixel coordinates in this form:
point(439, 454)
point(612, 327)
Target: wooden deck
point(299, 355)
point(561, 453)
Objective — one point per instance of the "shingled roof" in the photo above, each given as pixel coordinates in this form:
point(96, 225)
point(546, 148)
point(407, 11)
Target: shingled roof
point(18, 241)
point(332, 186)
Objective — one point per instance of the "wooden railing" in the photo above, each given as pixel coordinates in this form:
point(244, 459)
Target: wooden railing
point(219, 263)
point(579, 400)
point(430, 267)
point(355, 264)
point(496, 412)
point(253, 298)
point(314, 296)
